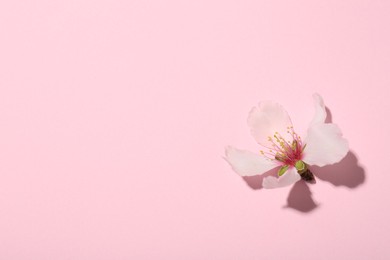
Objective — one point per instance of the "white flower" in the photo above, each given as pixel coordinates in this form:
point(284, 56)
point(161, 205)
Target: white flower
point(271, 127)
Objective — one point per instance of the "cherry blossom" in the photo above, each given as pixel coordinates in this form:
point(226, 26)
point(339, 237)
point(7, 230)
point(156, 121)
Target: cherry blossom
point(282, 147)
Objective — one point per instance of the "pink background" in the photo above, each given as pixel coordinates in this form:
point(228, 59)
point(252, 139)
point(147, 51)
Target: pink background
point(114, 116)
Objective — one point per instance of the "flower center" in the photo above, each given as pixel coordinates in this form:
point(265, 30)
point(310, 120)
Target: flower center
point(286, 152)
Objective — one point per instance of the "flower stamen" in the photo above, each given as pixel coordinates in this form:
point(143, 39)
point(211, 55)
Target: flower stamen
point(287, 152)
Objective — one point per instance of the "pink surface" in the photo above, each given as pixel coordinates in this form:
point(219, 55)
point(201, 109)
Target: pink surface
point(114, 116)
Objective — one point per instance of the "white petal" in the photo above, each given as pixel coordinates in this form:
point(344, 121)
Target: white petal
point(289, 177)
point(324, 145)
point(320, 112)
point(247, 163)
point(266, 119)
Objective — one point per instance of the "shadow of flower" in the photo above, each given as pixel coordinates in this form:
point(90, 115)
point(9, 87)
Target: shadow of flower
point(346, 173)
point(256, 181)
point(300, 198)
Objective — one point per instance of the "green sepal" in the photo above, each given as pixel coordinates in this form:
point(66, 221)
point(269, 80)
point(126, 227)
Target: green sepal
point(300, 166)
point(282, 170)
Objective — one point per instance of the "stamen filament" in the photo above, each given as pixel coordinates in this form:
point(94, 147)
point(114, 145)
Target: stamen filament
point(285, 151)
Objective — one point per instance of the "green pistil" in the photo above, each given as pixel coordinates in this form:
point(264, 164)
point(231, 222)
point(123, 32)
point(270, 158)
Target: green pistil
point(282, 170)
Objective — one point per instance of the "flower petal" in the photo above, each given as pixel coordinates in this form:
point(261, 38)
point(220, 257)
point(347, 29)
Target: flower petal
point(289, 177)
point(266, 119)
point(324, 145)
point(247, 163)
point(320, 111)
